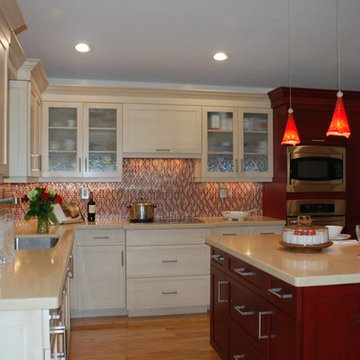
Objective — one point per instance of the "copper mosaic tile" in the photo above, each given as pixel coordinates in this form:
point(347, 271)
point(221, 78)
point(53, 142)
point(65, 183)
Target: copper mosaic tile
point(168, 183)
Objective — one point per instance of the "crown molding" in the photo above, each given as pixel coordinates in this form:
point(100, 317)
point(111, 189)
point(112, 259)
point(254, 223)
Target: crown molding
point(13, 15)
point(123, 94)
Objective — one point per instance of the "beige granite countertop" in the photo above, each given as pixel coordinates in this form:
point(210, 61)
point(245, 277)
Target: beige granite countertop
point(338, 264)
point(34, 280)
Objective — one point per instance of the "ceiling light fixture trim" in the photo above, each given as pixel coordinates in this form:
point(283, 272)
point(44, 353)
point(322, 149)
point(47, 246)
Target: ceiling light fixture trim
point(221, 56)
point(83, 47)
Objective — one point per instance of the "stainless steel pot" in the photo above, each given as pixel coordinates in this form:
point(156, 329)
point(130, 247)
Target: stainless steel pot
point(142, 211)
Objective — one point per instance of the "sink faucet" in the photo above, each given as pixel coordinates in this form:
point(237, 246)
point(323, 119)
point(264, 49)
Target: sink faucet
point(12, 200)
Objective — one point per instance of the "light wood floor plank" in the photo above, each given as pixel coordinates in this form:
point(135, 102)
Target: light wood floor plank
point(180, 337)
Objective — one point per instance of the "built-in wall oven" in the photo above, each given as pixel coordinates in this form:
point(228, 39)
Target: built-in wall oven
point(316, 169)
point(322, 211)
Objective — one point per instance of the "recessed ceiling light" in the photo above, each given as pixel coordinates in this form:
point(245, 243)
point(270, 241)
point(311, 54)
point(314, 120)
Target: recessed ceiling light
point(221, 56)
point(83, 47)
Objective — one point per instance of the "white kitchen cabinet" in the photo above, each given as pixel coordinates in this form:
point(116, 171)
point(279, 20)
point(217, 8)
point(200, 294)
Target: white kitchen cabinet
point(237, 145)
point(4, 123)
point(162, 131)
point(25, 131)
point(82, 140)
point(98, 286)
point(167, 271)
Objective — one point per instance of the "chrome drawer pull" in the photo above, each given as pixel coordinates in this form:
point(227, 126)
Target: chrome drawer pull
point(169, 292)
point(228, 234)
point(267, 233)
point(217, 257)
point(237, 357)
point(240, 310)
point(261, 313)
point(166, 150)
point(169, 261)
point(101, 237)
point(276, 292)
point(243, 272)
point(221, 282)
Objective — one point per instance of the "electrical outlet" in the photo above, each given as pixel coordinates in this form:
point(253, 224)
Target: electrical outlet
point(222, 193)
point(84, 193)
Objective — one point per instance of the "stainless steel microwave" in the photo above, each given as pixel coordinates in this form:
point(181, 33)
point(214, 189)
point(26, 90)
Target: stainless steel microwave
point(316, 169)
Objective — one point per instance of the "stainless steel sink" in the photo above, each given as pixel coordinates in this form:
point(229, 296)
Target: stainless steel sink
point(35, 242)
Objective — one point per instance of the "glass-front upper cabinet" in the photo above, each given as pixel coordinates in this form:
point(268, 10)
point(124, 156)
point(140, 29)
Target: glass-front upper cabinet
point(62, 153)
point(237, 145)
point(219, 140)
point(83, 140)
point(257, 143)
point(102, 145)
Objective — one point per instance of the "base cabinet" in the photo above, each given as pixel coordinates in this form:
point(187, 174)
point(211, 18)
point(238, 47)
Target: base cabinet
point(98, 286)
point(167, 271)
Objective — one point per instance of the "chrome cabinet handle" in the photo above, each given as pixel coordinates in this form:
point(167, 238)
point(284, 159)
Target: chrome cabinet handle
point(261, 313)
point(70, 267)
point(101, 237)
point(228, 234)
point(122, 258)
point(240, 310)
point(35, 157)
point(243, 272)
point(237, 357)
point(169, 261)
point(86, 165)
point(60, 330)
point(217, 257)
point(169, 292)
point(221, 282)
point(163, 150)
point(277, 293)
point(267, 233)
point(79, 164)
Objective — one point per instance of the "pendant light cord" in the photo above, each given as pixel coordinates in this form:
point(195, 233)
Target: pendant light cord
point(289, 56)
point(338, 40)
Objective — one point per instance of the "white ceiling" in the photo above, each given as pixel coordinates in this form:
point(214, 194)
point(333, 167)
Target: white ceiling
point(171, 42)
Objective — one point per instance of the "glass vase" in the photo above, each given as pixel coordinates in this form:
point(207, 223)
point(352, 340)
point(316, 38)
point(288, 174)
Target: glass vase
point(42, 225)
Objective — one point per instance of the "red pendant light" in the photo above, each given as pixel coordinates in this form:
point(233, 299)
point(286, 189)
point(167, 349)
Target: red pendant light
point(291, 135)
point(339, 125)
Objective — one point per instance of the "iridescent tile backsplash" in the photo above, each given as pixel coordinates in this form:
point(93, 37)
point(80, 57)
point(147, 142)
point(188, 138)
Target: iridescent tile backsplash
point(168, 183)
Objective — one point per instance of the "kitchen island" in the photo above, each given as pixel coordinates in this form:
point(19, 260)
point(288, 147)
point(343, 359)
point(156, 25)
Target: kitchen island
point(268, 302)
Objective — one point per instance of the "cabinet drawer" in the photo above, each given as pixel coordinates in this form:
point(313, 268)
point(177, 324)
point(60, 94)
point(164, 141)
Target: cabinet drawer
point(244, 309)
point(147, 261)
point(166, 236)
point(231, 230)
point(249, 273)
point(167, 292)
point(240, 348)
point(283, 295)
point(100, 237)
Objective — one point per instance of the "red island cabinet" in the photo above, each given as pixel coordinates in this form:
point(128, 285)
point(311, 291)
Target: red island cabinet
point(255, 316)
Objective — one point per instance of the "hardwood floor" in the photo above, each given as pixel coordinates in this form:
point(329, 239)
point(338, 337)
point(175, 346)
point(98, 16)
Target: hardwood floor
point(176, 337)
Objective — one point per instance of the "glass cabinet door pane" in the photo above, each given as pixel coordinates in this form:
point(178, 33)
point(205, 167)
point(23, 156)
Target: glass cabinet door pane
point(102, 140)
point(220, 142)
point(62, 139)
point(256, 156)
